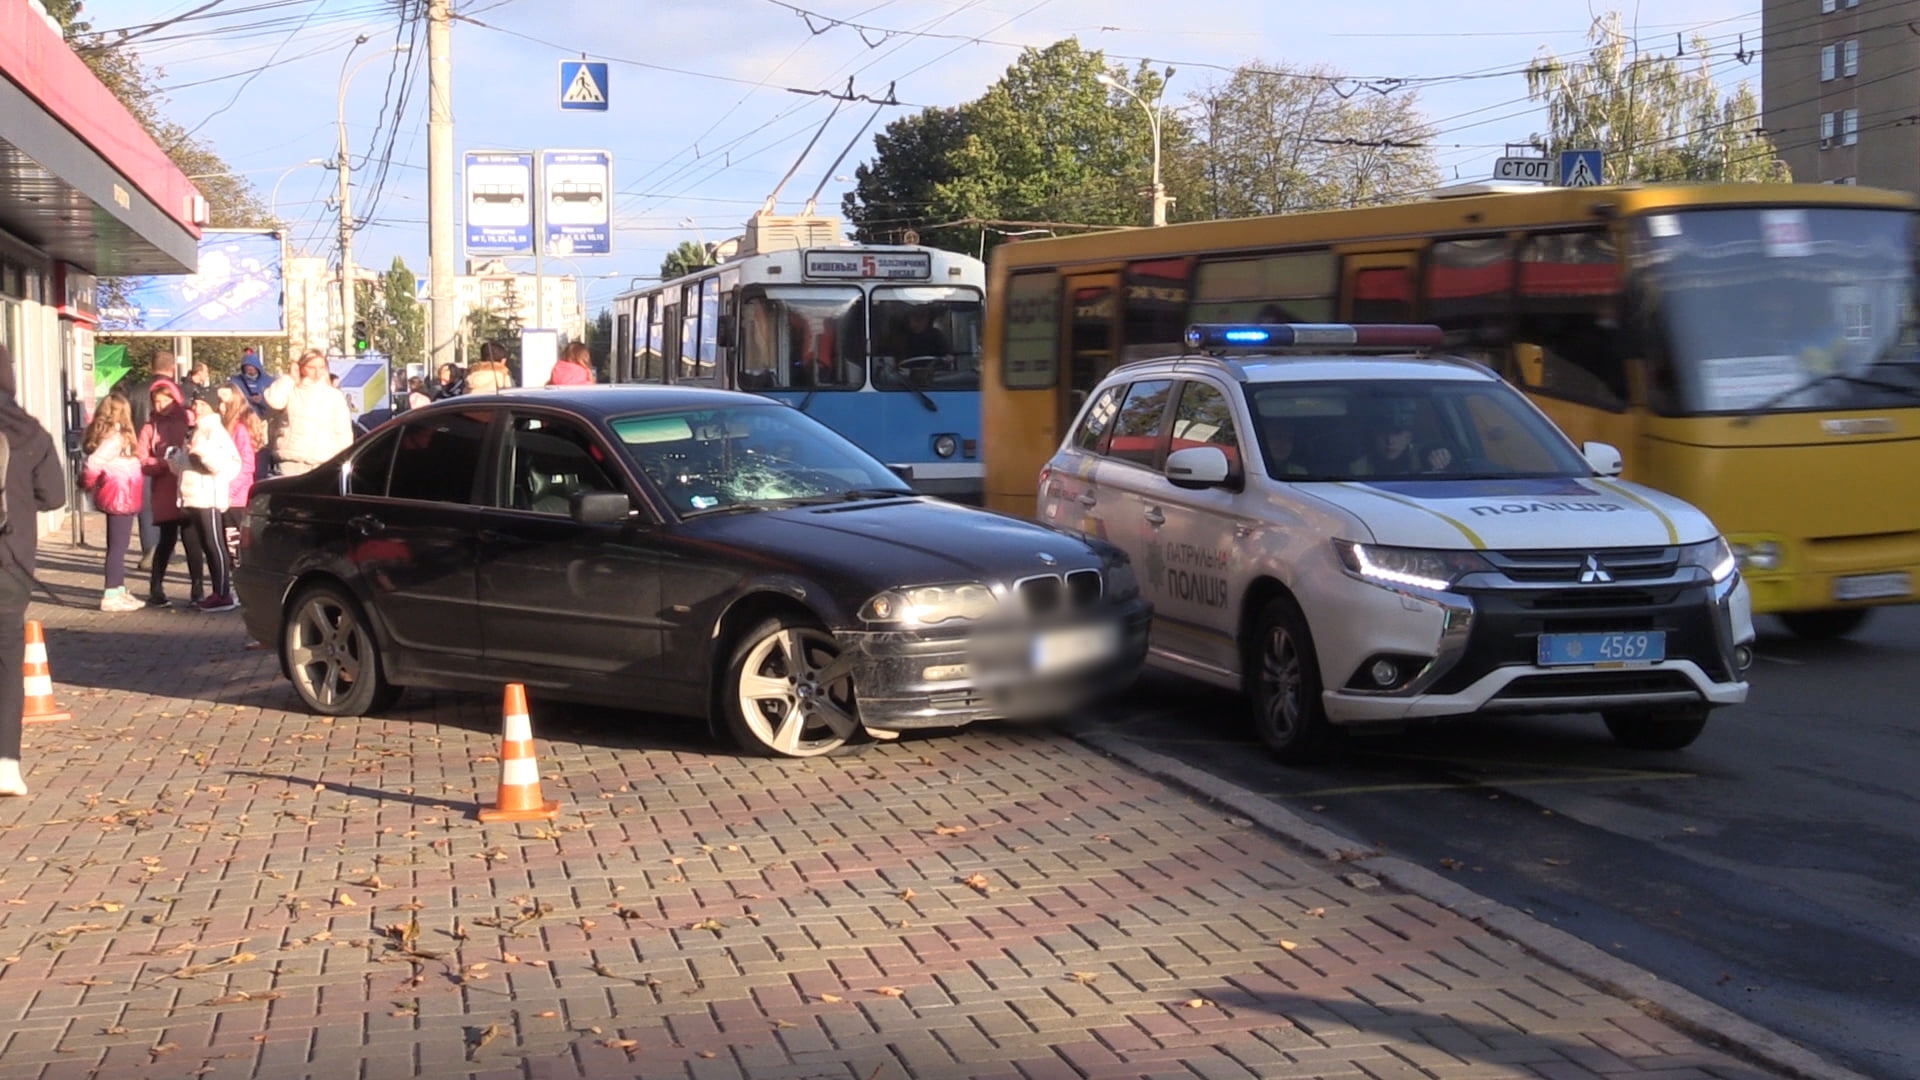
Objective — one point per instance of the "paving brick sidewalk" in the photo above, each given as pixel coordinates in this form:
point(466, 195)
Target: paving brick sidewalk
point(207, 882)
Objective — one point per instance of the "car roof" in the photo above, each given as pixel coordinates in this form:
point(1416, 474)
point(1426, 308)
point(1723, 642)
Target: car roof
point(617, 400)
point(1312, 367)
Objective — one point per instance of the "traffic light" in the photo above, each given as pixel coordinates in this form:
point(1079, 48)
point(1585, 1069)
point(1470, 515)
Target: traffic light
point(360, 342)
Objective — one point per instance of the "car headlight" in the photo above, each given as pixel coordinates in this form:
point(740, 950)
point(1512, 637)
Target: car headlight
point(930, 605)
point(1758, 555)
point(1713, 556)
point(1413, 567)
point(1122, 583)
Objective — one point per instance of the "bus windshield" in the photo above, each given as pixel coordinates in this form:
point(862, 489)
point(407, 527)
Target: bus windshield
point(926, 338)
point(1779, 310)
point(811, 338)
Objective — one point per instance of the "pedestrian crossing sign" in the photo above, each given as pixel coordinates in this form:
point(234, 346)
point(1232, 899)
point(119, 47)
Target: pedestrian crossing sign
point(583, 86)
point(1580, 168)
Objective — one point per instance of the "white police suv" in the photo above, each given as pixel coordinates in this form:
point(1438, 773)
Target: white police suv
point(1360, 534)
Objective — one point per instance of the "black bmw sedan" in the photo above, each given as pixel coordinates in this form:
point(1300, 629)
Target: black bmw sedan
point(673, 550)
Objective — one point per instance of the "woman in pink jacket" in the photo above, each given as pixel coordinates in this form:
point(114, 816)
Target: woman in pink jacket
point(112, 475)
point(249, 434)
point(574, 368)
point(166, 430)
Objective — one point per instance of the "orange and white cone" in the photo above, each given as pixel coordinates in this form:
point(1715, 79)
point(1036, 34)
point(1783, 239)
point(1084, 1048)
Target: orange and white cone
point(39, 708)
point(519, 798)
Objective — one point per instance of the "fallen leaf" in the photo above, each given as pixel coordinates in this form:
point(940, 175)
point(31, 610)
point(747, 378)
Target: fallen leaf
point(1451, 864)
point(90, 981)
point(548, 1015)
point(949, 830)
point(459, 932)
point(486, 1035)
point(908, 894)
point(1084, 978)
point(162, 1049)
point(1317, 913)
point(708, 1054)
point(1198, 1003)
point(1288, 945)
point(373, 883)
point(714, 925)
point(978, 883)
point(108, 906)
point(345, 901)
point(890, 991)
point(831, 999)
point(620, 1044)
point(785, 1024)
point(509, 958)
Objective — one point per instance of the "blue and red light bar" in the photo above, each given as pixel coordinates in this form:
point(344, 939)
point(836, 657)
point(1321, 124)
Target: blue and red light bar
point(1285, 335)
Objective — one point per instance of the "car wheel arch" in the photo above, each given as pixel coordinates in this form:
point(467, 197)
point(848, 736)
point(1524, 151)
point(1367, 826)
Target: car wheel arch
point(746, 611)
point(325, 576)
point(1261, 591)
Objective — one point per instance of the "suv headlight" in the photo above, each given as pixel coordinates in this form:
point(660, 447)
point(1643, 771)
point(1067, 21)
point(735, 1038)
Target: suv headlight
point(930, 605)
point(1713, 556)
point(1413, 567)
point(1122, 583)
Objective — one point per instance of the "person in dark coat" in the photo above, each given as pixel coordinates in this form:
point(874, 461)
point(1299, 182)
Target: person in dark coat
point(35, 482)
point(140, 399)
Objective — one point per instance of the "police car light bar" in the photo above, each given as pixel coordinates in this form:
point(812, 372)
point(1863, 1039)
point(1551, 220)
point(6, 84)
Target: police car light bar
point(1281, 335)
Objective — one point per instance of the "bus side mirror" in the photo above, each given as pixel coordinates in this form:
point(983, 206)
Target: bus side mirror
point(725, 328)
point(1604, 458)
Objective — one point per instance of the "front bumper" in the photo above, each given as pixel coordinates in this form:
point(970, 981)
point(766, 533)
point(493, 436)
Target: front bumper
point(1484, 657)
point(890, 670)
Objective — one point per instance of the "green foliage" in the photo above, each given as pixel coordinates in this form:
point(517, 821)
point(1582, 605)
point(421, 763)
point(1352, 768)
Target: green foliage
point(396, 321)
point(685, 259)
point(600, 344)
point(912, 159)
point(1276, 141)
point(497, 321)
point(1655, 117)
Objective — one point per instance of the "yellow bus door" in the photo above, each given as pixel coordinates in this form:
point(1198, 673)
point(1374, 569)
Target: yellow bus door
point(1093, 340)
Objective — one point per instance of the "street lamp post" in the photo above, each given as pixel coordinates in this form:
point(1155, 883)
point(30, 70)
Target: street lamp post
point(346, 210)
point(273, 203)
point(1160, 199)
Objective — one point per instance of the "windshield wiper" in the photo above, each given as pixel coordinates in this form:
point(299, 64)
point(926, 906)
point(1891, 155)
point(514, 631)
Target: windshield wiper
point(855, 495)
point(730, 508)
point(1747, 416)
point(924, 399)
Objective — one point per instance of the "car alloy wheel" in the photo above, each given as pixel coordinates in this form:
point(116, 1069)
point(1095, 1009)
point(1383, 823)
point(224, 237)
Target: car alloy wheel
point(1286, 686)
point(792, 694)
point(331, 656)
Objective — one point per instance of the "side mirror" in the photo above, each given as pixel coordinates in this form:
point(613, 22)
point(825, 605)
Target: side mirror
point(1199, 467)
point(904, 472)
point(724, 327)
point(1605, 459)
point(599, 507)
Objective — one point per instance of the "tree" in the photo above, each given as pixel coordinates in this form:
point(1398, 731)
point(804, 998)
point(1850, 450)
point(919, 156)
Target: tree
point(396, 321)
point(600, 344)
point(685, 259)
point(1276, 141)
point(1049, 141)
point(498, 320)
point(1655, 117)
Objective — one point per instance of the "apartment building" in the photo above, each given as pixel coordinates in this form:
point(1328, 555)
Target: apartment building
point(1840, 89)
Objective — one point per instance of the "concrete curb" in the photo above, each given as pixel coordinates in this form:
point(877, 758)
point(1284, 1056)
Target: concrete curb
point(1685, 1010)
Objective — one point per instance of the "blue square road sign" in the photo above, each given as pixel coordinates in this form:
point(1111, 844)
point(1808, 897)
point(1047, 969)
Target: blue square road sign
point(583, 86)
point(1580, 168)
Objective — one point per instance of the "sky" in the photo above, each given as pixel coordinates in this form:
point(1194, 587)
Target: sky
point(703, 122)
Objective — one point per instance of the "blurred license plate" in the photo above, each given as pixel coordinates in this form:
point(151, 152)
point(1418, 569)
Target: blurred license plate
point(1627, 647)
point(1078, 646)
point(1872, 586)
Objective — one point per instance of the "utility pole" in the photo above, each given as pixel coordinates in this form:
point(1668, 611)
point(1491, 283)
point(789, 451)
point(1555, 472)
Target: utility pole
point(346, 208)
point(440, 284)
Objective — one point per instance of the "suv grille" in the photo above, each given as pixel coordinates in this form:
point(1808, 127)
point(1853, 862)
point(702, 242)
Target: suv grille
point(1568, 567)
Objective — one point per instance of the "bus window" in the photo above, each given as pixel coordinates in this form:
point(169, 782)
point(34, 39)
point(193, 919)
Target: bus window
point(757, 363)
point(623, 346)
point(812, 337)
point(1296, 287)
point(688, 355)
point(1470, 291)
point(707, 340)
point(670, 334)
point(926, 338)
point(653, 357)
point(1382, 294)
point(1095, 323)
point(1154, 322)
point(1029, 357)
point(1569, 309)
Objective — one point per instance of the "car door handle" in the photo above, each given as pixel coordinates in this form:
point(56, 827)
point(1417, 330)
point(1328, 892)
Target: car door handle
point(367, 525)
point(1088, 499)
point(1155, 517)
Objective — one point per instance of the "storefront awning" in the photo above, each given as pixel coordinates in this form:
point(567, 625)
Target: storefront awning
point(80, 179)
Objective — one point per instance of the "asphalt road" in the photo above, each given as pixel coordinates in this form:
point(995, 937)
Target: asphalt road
point(1772, 868)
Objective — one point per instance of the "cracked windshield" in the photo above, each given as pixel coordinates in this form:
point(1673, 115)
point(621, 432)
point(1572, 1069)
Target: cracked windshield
point(1780, 309)
point(753, 457)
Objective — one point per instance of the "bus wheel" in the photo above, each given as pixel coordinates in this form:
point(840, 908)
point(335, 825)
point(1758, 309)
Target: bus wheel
point(1824, 625)
point(1669, 728)
point(1283, 681)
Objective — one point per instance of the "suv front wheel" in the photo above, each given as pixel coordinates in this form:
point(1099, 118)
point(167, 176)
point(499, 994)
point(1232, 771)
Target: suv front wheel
point(1283, 682)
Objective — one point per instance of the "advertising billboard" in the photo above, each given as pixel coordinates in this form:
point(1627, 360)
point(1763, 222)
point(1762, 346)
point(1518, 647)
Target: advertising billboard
point(578, 187)
point(499, 202)
point(239, 289)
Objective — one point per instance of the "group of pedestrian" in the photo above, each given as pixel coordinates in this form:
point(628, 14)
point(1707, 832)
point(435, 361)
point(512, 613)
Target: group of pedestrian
point(184, 455)
point(491, 374)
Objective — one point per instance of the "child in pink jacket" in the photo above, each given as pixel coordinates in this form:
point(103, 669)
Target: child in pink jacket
point(112, 475)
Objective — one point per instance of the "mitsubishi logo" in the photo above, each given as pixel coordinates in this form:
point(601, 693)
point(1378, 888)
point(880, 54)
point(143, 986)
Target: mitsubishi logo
point(1594, 574)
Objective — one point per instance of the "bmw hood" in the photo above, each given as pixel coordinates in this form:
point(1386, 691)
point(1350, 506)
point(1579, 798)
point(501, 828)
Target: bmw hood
point(905, 542)
point(1510, 515)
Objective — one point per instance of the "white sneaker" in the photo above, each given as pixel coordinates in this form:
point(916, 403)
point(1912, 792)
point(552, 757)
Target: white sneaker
point(11, 782)
point(121, 600)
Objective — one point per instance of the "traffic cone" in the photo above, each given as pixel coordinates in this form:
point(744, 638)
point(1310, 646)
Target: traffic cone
point(519, 798)
point(40, 708)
